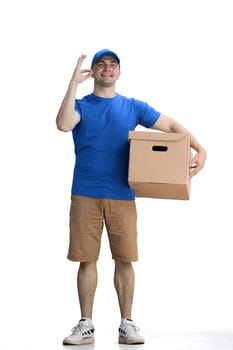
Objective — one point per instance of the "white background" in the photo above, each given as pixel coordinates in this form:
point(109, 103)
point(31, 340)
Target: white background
point(177, 56)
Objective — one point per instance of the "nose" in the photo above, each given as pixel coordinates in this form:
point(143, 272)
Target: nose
point(107, 65)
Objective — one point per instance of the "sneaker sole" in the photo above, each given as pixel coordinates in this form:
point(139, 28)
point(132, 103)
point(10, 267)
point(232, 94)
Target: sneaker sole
point(130, 341)
point(79, 342)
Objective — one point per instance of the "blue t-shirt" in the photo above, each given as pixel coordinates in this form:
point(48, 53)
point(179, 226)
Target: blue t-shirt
point(102, 146)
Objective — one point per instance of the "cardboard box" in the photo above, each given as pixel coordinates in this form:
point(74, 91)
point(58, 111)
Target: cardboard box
point(159, 165)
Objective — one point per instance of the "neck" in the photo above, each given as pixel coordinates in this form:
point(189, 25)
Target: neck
point(107, 92)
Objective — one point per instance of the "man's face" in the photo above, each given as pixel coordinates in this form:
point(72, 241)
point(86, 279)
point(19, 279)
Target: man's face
point(106, 71)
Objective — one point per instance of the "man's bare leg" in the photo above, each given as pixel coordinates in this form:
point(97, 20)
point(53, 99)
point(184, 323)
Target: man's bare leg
point(87, 283)
point(124, 285)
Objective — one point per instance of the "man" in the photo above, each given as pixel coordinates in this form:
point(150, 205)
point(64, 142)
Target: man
point(100, 193)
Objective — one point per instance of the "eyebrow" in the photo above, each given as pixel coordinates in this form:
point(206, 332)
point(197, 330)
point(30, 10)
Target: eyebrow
point(108, 59)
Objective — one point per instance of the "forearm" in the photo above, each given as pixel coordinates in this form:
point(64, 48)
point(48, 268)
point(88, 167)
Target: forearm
point(66, 117)
point(178, 128)
point(168, 124)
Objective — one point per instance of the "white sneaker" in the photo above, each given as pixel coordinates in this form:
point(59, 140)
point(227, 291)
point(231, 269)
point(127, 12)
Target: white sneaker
point(83, 333)
point(128, 333)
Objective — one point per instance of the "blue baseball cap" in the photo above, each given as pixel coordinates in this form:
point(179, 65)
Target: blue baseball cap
point(104, 52)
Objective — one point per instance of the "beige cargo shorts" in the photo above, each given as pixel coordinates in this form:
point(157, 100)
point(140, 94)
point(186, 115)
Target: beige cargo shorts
point(87, 219)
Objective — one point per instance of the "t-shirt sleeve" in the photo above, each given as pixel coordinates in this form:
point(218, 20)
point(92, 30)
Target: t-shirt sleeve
point(147, 115)
point(77, 107)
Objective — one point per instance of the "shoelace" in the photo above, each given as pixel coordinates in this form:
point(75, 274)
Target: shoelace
point(135, 328)
point(80, 328)
point(133, 325)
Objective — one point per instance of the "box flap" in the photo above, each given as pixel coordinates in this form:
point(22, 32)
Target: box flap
point(158, 136)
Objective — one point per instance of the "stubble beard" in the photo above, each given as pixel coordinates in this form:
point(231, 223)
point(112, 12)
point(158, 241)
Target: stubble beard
point(106, 83)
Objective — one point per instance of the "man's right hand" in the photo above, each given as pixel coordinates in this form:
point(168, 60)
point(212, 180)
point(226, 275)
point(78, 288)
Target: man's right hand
point(80, 75)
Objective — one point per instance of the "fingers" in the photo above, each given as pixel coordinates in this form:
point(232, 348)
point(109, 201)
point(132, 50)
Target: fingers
point(79, 74)
point(81, 59)
point(79, 64)
point(86, 73)
point(193, 170)
point(197, 163)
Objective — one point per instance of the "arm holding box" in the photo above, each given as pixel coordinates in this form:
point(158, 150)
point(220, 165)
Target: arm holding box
point(168, 124)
